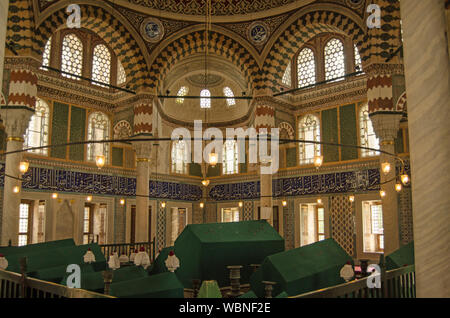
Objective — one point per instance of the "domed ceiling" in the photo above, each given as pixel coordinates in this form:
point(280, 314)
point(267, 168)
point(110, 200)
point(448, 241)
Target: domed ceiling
point(220, 8)
point(189, 109)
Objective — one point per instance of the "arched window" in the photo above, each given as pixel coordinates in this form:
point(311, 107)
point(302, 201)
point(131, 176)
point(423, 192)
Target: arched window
point(98, 129)
point(309, 129)
point(287, 76)
point(46, 55)
point(334, 59)
point(72, 56)
point(205, 101)
point(358, 62)
point(368, 137)
point(230, 157)
point(229, 93)
point(37, 131)
point(121, 75)
point(179, 157)
point(306, 69)
point(183, 91)
point(101, 64)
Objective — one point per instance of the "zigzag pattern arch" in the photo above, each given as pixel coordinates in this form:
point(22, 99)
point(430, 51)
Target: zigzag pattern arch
point(111, 30)
point(300, 32)
point(193, 43)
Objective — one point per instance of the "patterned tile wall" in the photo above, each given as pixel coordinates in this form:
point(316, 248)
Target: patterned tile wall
point(406, 217)
point(343, 223)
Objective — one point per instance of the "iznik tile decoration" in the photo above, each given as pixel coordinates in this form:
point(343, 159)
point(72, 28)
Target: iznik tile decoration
point(44, 179)
point(340, 182)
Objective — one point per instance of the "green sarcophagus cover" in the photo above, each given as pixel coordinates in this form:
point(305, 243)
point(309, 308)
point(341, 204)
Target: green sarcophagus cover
point(93, 281)
point(401, 257)
point(303, 269)
point(34, 248)
point(165, 285)
point(54, 259)
point(205, 250)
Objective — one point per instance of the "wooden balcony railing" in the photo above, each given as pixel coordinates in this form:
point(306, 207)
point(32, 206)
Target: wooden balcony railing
point(14, 285)
point(397, 283)
point(127, 247)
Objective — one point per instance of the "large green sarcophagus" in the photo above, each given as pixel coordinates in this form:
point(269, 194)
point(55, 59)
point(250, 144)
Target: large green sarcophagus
point(205, 250)
point(401, 257)
point(49, 261)
point(303, 269)
point(164, 285)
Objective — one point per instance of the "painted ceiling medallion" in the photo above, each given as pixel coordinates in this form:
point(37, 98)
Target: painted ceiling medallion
point(258, 32)
point(152, 30)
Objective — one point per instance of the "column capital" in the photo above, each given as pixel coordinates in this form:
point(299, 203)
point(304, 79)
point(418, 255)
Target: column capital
point(143, 150)
point(16, 120)
point(386, 125)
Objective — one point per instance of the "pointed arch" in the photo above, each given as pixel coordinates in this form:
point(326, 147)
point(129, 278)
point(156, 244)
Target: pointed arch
point(308, 22)
point(193, 43)
point(109, 25)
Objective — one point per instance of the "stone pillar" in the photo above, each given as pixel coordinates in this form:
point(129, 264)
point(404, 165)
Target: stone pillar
point(264, 121)
point(16, 116)
point(143, 111)
point(428, 89)
point(266, 196)
point(386, 126)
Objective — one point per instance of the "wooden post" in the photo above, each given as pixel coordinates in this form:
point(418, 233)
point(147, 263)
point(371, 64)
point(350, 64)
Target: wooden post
point(364, 263)
point(196, 283)
point(235, 277)
point(268, 287)
point(107, 278)
point(255, 267)
point(23, 280)
point(384, 289)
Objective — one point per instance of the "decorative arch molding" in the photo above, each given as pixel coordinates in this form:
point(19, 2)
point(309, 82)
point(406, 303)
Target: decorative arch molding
point(201, 27)
point(401, 105)
point(303, 26)
point(109, 25)
point(286, 126)
point(122, 130)
point(192, 43)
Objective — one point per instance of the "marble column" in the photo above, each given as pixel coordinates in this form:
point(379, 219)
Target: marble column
point(266, 196)
point(264, 121)
point(428, 90)
point(386, 126)
point(16, 116)
point(143, 152)
point(16, 122)
point(143, 128)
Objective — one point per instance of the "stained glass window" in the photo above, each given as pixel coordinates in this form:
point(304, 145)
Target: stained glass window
point(306, 68)
point(72, 56)
point(230, 157)
point(183, 91)
point(368, 137)
point(179, 157)
point(121, 75)
point(36, 134)
point(101, 64)
point(46, 55)
point(358, 63)
point(287, 76)
point(309, 129)
point(205, 101)
point(334, 59)
point(98, 129)
point(229, 93)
